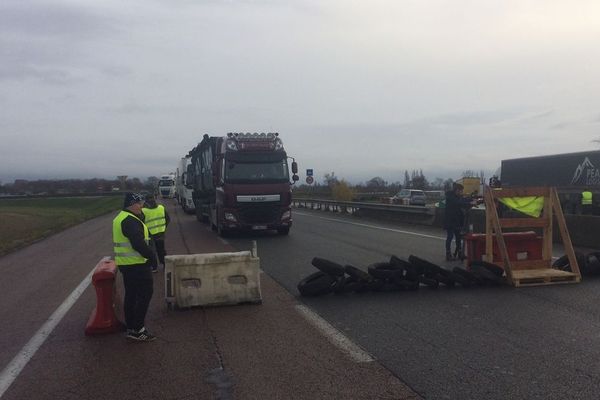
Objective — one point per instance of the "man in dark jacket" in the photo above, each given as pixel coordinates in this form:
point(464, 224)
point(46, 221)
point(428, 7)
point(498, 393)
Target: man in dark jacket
point(454, 218)
point(134, 258)
point(156, 219)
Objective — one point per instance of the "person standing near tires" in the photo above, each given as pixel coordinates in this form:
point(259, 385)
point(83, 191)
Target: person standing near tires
point(134, 258)
point(454, 219)
point(156, 219)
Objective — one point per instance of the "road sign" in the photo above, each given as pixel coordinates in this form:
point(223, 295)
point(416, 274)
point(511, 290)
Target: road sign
point(309, 172)
point(309, 180)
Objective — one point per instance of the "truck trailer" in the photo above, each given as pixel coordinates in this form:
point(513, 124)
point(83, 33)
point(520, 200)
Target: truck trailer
point(241, 182)
point(570, 173)
point(183, 190)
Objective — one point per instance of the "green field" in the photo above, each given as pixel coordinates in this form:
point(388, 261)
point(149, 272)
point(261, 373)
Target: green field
point(24, 221)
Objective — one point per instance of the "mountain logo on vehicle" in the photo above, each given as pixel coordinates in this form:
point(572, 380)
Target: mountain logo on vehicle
point(586, 174)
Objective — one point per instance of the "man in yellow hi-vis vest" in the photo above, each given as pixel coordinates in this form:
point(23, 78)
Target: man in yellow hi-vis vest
point(134, 258)
point(156, 219)
point(586, 202)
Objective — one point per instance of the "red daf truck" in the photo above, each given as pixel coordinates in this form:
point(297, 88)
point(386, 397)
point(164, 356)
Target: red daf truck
point(241, 182)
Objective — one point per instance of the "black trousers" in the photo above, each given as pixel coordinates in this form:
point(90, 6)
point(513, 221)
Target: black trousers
point(158, 244)
point(138, 282)
point(453, 233)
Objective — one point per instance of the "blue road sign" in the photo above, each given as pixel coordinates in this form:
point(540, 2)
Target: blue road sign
point(309, 172)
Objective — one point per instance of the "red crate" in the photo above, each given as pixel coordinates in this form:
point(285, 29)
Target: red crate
point(519, 245)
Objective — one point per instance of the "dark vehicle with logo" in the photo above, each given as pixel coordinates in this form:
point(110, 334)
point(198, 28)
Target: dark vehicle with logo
point(241, 182)
point(570, 173)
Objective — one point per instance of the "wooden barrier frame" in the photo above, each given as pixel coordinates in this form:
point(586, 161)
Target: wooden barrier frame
point(530, 272)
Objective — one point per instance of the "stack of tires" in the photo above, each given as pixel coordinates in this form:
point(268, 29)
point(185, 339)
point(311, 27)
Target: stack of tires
point(589, 264)
point(395, 275)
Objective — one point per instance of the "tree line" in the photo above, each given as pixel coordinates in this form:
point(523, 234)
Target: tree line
point(340, 189)
point(77, 186)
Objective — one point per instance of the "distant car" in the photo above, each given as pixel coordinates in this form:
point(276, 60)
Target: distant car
point(411, 197)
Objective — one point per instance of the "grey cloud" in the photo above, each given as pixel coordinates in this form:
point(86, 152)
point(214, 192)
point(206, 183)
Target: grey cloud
point(54, 76)
point(45, 41)
point(45, 19)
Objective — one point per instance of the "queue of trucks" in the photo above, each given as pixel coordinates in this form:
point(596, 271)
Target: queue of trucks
point(238, 182)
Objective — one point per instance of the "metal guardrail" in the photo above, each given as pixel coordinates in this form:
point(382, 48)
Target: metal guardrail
point(351, 207)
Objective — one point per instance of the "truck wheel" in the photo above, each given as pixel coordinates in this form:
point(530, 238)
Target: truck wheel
point(284, 230)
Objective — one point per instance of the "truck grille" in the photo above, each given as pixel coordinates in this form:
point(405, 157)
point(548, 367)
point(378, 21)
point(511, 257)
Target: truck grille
point(260, 214)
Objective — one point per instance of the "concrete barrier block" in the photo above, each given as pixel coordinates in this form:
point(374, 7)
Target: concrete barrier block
point(212, 279)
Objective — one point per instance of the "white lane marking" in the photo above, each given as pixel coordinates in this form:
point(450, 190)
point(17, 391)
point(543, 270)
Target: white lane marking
point(374, 226)
point(14, 368)
point(336, 337)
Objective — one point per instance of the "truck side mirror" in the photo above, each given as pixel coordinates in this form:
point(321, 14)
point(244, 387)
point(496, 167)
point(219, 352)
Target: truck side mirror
point(295, 168)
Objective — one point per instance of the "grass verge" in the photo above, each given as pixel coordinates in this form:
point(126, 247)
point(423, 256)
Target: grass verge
point(25, 221)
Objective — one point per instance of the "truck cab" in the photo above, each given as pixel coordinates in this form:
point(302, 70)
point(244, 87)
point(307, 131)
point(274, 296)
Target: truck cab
point(242, 183)
point(166, 186)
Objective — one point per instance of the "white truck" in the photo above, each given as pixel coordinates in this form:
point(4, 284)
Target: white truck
point(183, 191)
point(166, 186)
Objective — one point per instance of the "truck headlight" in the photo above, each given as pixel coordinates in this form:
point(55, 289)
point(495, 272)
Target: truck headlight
point(230, 217)
point(286, 215)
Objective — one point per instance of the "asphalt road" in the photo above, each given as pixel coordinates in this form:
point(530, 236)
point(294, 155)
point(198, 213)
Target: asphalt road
point(262, 352)
point(480, 343)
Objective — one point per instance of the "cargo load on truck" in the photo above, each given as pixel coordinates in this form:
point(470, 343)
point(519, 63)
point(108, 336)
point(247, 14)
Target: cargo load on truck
point(242, 182)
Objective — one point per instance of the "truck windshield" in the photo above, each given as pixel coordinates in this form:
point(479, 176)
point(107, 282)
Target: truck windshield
point(166, 182)
point(245, 172)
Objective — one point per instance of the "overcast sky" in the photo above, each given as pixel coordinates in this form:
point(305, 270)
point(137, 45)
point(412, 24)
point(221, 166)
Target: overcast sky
point(361, 88)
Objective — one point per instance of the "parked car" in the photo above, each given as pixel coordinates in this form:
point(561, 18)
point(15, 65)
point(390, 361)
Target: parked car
point(411, 197)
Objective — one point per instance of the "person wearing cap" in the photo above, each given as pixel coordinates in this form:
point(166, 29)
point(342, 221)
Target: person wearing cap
point(134, 258)
point(156, 219)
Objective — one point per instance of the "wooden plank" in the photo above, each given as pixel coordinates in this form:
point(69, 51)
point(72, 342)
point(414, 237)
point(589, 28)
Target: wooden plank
point(493, 225)
point(544, 277)
point(522, 265)
point(521, 192)
point(564, 233)
point(547, 232)
point(523, 223)
point(489, 243)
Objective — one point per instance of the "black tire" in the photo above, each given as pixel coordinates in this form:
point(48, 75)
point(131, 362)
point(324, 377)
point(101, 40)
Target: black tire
point(431, 283)
point(340, 284)
point(357, 274)
point(383, 270)
point(353, 285)
point(592, 264)
point(487, 277)
point(430, 270)
point(446, 278)
point(329, 267)
point(493, 268)
point(563, 264)
point(406, 284)
point(284, 230)
point(410, 272)
point(461, 280)
point(316, 284)
point(466, 275)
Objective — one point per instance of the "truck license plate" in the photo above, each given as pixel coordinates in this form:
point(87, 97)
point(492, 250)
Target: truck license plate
point(259, 227)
